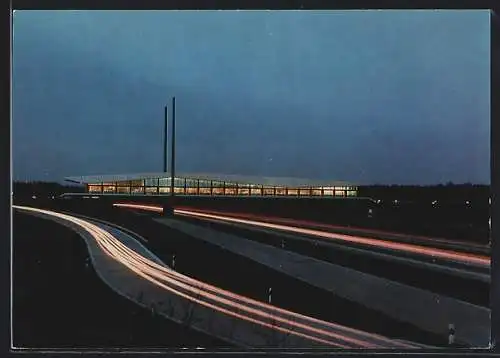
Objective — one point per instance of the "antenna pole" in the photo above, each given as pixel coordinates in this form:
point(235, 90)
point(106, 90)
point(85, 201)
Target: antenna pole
point(172, 152)
point(165, 140)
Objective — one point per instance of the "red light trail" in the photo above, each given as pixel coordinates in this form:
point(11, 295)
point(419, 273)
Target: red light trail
point(462, 257)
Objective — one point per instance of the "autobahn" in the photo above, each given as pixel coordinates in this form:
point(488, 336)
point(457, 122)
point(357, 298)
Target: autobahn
point(378, 234)
point(473, 260)
point(452, 272)
point(224, 302)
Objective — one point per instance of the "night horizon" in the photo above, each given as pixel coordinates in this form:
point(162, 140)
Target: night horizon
point(186, 180)
point(401, 100)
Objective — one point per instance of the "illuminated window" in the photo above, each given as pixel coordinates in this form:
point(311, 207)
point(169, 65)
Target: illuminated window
point(280, 191)
point(151, 181)
point(339, 193)
point(125, 183)
point(205, 184)
point(191, 183)
point(327, 192)
point(304, 192)
point(231, 191)
point(231, 185)
point(204, 191)
point(268, 191)
point(179, 190)
point(179, 182)
point(192, 191)
point(256, 191)
point(123, 189)
point(108, 188)
point(94, 188)
point(316, 192)
point(137, 183)
point(164, 190)
point(243, 191)
point(216, 183)
point(351, 193)
point(164, 182)
point(218, 191)
point(137, 190)
point(293, 192)
point(151, 190)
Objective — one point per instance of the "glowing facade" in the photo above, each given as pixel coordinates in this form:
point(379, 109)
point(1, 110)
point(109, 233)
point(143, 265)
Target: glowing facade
point(215, 185)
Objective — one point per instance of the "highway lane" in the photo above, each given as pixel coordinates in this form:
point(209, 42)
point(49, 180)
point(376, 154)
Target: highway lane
point(470, 259)
point(379, 234)
point(226, 302)
point(453, 279)
point(198, 258)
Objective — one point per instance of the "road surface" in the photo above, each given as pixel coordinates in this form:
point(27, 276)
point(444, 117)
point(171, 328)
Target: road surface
point(473, 260)
point(300, 329)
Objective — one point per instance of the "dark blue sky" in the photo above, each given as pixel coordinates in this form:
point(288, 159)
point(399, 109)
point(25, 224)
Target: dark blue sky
point(368, 97)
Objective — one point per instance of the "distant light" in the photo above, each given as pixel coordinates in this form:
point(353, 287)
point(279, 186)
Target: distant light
point(396, 201)
point(33, 197)
point(95, 197)
point(467, 202)
point(52, 197)
point(379, 201)
point(434, 202)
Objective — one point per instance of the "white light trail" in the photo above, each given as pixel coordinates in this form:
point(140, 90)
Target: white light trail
point(462, 257)
point(227, 302)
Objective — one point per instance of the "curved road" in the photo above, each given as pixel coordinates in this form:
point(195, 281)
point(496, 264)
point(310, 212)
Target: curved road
point(225, 302)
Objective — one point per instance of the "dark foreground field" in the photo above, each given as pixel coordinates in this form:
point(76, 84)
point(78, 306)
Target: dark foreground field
point(211, 264)
point(61, 303)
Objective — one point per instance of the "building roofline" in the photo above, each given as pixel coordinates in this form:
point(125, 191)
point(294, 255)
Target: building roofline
point(271, 181)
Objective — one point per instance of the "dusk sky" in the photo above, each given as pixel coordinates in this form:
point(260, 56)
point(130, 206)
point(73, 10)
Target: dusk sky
point(388, 97)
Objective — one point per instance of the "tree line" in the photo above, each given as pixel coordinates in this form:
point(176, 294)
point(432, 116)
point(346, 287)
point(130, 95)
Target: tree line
point(41, 188)
point(449, 192)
